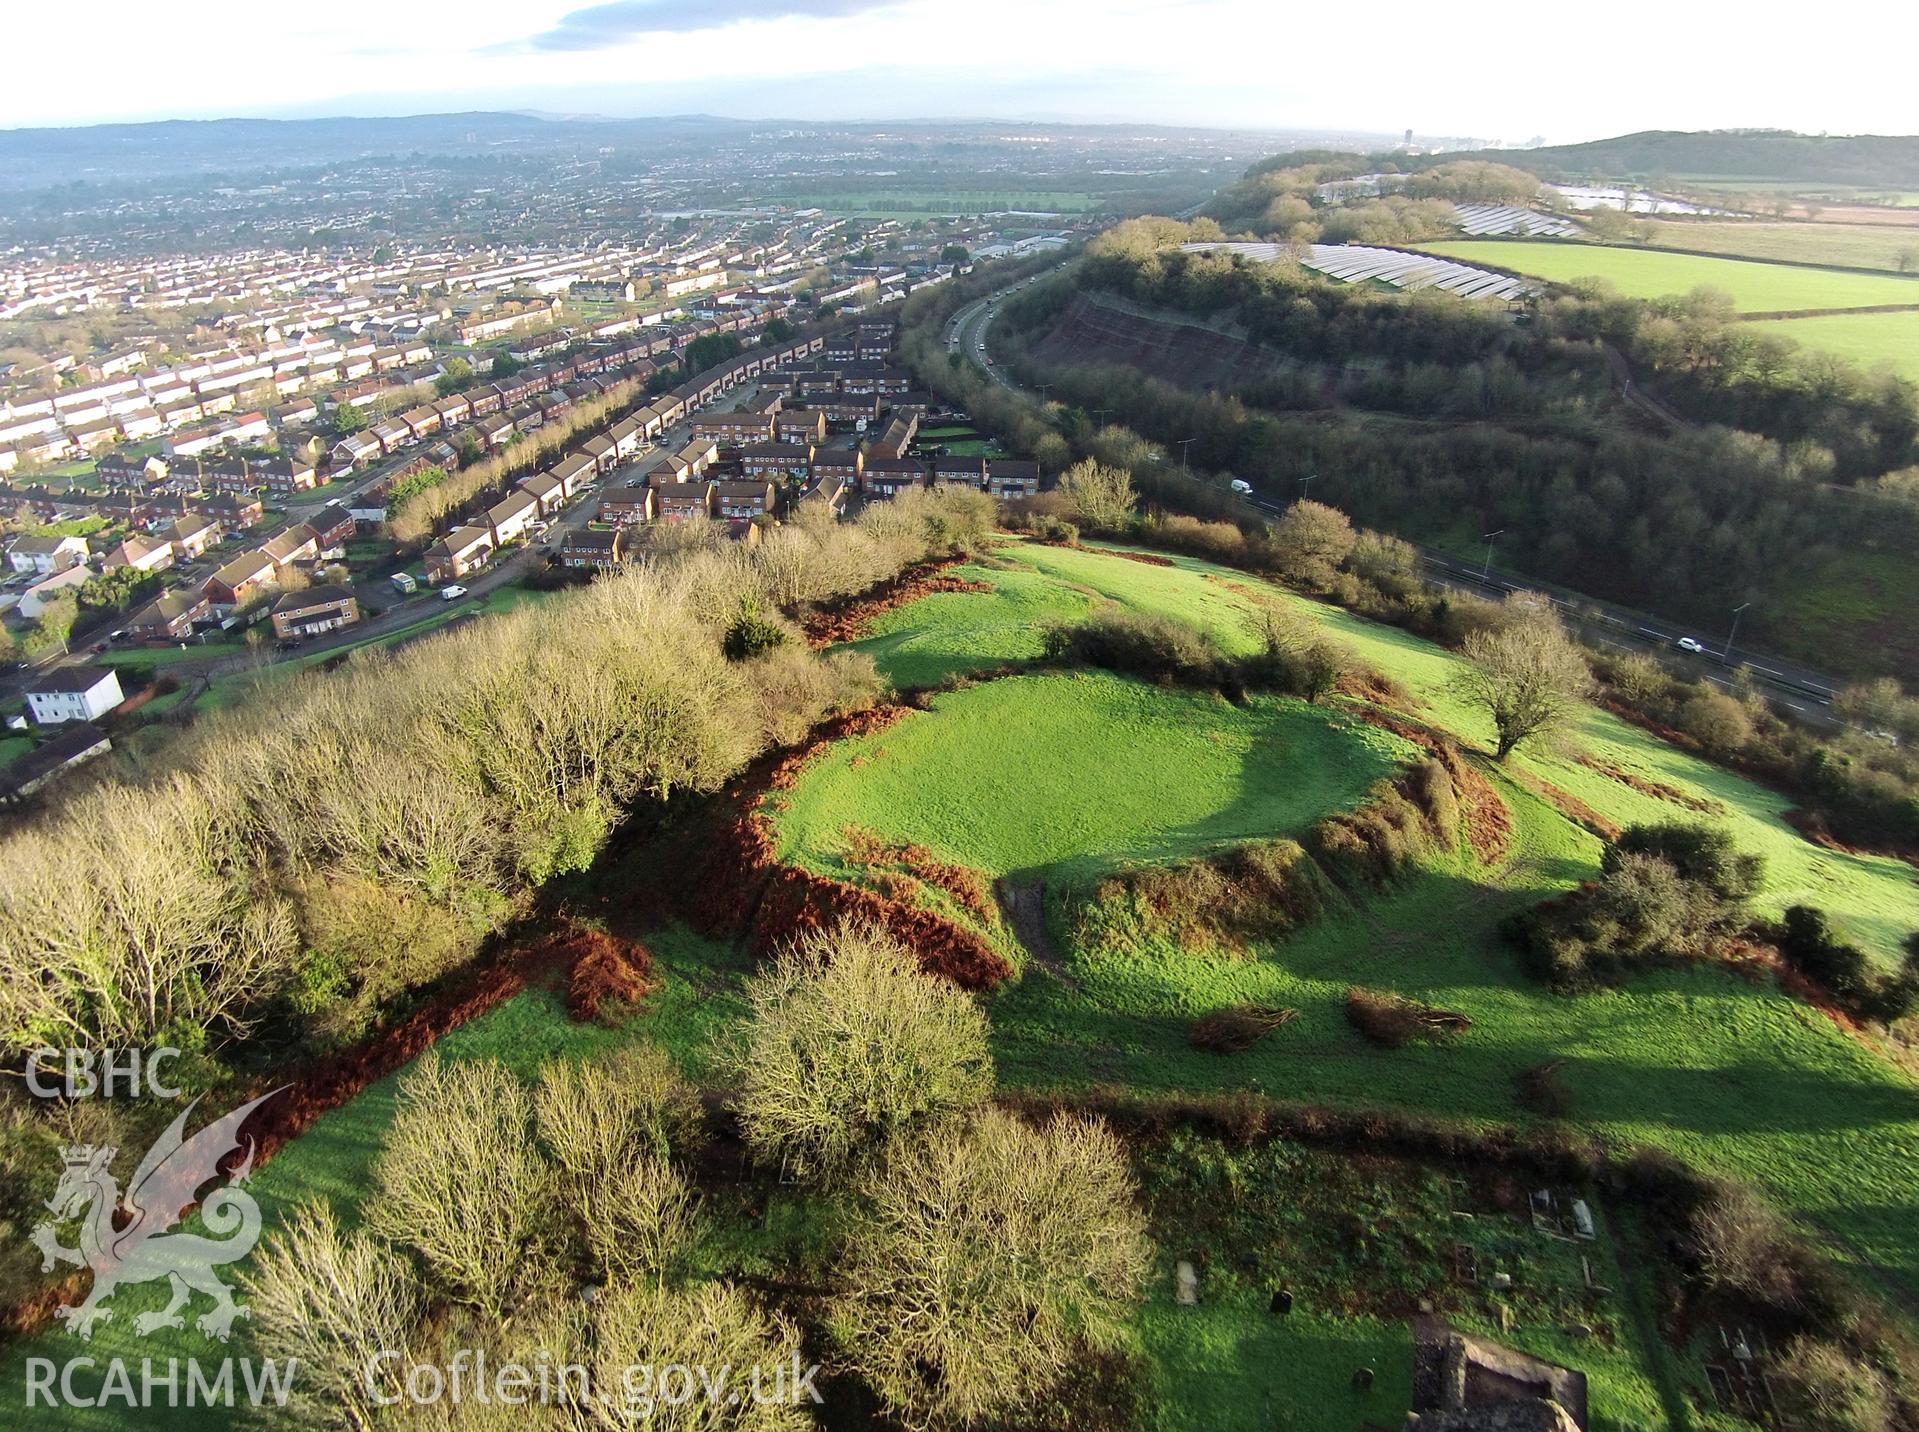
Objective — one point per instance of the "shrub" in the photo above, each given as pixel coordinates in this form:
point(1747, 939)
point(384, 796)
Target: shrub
point(984, 1263)
point(1292, 657)
point(1640, 680)
point(1255, 892)
point(609, 1124)
point(1666, 891)
point(1102, 496)
point(1745, 1246)
point(1400, 821)
point(338, 994)
point(752, 632)
point(1142, 644)
point(638, 1339)
point(1718, 721)
point(1702, 854)
point(1807, 942)
point(1392, 1022)
point(1827, 1389)
point(1221, 542)
point(1227, 1031)
point(1310, 540)
point(849, 1046)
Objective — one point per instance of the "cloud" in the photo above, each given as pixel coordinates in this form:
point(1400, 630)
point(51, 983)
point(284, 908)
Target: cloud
point(601, 26)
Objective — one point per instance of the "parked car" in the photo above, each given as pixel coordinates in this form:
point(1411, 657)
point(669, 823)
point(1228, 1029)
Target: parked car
point(452, 593)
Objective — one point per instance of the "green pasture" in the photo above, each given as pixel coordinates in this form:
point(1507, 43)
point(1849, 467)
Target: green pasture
point(1072, 774)
point(1868, 339)
point(1862, 246)
point(1648, 273)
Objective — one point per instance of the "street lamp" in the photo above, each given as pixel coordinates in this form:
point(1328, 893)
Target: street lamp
point(1489, 554)
point(1726, 650)
point(1306, 486)
point(1185, 449)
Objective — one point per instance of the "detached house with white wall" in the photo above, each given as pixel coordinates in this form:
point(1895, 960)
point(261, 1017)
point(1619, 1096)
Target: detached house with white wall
point(74, 693)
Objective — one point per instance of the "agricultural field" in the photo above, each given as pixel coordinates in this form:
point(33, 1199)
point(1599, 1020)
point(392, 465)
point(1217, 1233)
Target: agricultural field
point(1841, 245)
point(1868, 339)
point(1645, 273)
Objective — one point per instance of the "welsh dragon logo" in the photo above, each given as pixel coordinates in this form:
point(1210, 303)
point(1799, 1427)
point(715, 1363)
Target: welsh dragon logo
point(131, 1244)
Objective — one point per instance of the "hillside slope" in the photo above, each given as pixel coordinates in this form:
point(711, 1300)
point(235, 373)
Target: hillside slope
point(1870, 159)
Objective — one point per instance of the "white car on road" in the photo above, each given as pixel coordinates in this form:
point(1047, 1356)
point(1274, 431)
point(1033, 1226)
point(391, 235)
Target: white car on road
point(452, 593)
point(1692, 644)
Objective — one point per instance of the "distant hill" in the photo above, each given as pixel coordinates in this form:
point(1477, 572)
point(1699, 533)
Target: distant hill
point(31, 158)
point(1867, 160)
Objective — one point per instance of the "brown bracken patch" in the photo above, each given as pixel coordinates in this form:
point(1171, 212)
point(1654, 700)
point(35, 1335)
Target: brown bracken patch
point(848, 618)
point(966, 886)
point(1658, 790)
point(609, 975)
point(1570, 806)
point(1489, 825)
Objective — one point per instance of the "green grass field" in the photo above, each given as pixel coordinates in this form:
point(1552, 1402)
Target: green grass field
point(1645, 273)
point(1722, 1071)
point(1072, 774)
point(1864, 246)
point(1868, 339)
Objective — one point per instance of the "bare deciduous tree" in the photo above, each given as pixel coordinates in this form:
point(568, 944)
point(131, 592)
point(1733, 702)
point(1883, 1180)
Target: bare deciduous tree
point(609, 1125)
point(1526, 673)
point(1102, 495)
point(460, 1181)
point(332, 1301)
point(850, 1045)
point(985, 1260)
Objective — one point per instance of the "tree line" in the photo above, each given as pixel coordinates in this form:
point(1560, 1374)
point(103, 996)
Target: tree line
point(306, 856)
point(1428, 416)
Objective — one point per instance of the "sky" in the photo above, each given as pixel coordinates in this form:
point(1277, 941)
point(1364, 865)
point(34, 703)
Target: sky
point(1502, 70)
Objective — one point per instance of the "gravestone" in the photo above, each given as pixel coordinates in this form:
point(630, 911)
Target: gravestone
point(1185, 1285)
